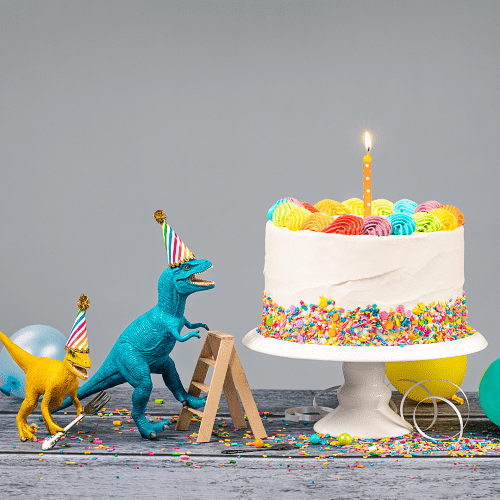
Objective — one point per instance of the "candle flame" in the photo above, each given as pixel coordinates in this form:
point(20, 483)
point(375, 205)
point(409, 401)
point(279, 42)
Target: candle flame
point(368, 141)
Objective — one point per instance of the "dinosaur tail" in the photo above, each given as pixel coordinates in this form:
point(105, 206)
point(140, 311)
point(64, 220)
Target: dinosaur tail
point(20, 356)
point(105, 378)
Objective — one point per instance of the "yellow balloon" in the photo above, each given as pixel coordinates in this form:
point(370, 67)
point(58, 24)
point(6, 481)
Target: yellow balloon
point(452, 369)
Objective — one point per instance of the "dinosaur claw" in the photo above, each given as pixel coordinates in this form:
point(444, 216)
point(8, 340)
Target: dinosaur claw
point(194, 401)
point(23, 439)
point(165, 427)
point(151, 430)
point(206, 327)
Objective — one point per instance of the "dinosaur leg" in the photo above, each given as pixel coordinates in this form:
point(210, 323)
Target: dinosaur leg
point(173, 382)
point(74, 399)
point(53, 404)
point(136, 372)
point(26, 432)
point(52, 427)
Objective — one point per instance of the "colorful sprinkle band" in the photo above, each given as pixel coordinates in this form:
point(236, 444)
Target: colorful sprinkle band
point(326, 324)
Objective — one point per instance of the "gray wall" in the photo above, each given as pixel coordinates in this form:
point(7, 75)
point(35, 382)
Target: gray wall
point(211, 111)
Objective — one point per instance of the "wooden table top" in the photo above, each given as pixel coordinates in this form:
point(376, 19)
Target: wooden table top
point(121, 464)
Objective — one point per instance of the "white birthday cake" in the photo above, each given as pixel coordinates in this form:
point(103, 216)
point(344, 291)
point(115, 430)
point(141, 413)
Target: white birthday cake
point(334, 277)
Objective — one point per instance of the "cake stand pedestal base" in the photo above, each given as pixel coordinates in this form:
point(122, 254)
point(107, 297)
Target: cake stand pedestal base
point(364, 398)
point(363, 409)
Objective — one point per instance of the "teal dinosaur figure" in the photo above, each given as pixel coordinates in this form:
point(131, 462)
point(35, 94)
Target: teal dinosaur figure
point(145, 345)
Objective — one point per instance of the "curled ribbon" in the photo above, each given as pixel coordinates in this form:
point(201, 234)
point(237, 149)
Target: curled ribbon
point(434, 399)
point(310, 413)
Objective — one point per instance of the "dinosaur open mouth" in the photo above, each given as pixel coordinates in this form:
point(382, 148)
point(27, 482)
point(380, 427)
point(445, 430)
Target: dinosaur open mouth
point(80, 370)
point(196, 281)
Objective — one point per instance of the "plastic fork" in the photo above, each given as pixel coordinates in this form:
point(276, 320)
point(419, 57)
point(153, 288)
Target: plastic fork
point(277, 446)
point(94, 406)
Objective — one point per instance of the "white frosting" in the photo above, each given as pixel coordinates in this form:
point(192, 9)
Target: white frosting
point(362, 270)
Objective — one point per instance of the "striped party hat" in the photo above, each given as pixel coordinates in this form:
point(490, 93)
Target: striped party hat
point(177, 251)
point(78, 338)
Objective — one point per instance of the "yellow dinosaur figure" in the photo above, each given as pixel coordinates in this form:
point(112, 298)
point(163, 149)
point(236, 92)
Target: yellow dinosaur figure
point(51, 377)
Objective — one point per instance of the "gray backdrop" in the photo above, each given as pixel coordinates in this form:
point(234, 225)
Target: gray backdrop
point(211, 111)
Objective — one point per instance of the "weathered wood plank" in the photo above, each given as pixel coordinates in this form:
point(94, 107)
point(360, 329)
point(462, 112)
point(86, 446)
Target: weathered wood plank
point(171, 441)
point(246, 478)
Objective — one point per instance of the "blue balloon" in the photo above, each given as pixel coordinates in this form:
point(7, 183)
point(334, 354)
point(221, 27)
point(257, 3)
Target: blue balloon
point(39, 340)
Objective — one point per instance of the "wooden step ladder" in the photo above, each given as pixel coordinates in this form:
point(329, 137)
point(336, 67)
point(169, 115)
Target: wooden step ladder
point(218, 351)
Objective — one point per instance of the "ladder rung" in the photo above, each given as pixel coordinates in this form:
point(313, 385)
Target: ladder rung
point(208, 361)
point(202, 386)
point(196, 412)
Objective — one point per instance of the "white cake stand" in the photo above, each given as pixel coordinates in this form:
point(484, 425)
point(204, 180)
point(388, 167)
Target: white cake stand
point(364, 398)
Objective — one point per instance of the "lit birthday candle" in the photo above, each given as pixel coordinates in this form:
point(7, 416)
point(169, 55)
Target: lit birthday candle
point(367, 177)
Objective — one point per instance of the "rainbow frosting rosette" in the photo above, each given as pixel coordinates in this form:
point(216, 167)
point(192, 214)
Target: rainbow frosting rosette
point(426, 223)
point(402, 223)
point(376, 225)
point(354, 205)
point(382, 207)
point(402, 218)
point(405, 206)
